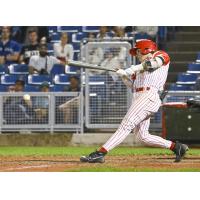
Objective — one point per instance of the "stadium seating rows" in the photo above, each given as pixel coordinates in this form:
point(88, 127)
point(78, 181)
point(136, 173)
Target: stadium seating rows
point(186, 81)
point(77, 33)
point(58, 79)
point(59, 75)
point(18, 71)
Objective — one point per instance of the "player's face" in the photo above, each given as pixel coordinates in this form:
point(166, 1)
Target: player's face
point(140, 56)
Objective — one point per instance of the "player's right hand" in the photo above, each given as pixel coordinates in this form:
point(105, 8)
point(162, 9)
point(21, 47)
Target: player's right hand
point(121, 73)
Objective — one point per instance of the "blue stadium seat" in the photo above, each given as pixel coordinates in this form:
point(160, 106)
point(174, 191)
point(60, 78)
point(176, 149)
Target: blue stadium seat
point(70, 29)
point(176, 87)
point(97, 85)
point(74, 69)
point(3, 69)
point(57, 69)
point(130, 34)
point(18, 69)
point(59, 88)
point(52, 29)
point(50, 46)
point(37, 79)
point(31, 88)
point(162, 32)
point(198, 57)
point(78, 37)
point(3, 88)
point(140, 36)
point(76, 55)
point(55, 37)
point(185, 78)
point(110, 34)
point(76, 47)
point(10, 79)
point(91, 29)
point(62, 79)
point(194, 68)
point(97, 78)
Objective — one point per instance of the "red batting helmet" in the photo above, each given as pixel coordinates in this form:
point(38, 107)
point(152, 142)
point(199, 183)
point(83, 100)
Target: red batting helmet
point(146, 46)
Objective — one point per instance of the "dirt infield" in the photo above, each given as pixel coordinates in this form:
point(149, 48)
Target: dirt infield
point(114, 163)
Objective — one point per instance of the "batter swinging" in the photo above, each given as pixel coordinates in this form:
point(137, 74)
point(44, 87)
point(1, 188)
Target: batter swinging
point(148, 78)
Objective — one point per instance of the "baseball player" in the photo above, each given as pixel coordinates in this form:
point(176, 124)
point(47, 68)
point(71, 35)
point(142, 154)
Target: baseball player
point(147, 78)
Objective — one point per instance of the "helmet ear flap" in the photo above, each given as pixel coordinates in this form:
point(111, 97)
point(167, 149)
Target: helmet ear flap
point(132, 51)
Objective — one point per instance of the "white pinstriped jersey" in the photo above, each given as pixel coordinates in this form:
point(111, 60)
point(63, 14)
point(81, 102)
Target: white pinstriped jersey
point(143, 105)
point(155, 79)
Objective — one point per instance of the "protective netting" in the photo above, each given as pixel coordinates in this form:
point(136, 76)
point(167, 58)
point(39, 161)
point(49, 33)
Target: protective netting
point(107, 97)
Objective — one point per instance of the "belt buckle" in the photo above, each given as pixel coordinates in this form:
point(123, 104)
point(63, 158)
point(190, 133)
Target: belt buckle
point(142, 89)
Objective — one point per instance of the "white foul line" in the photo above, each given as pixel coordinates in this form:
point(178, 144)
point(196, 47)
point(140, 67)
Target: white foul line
point(25, 167)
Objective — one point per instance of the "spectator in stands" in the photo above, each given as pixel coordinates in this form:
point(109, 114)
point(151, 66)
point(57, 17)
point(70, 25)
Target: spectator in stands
point(31, 49)
point(103, 33)
point(69, 109)
point(18, 87)
point(147, 32)
point(91, 37)
point(128, 29)
point(22, 34)
point(9, 49)
point(111, 61)
point(63, 50)
point(43, 63)
point(122, 54)
point(96, 56)
point(118, 32)
point(74, 84)
point(17, 109)
point(41, 104)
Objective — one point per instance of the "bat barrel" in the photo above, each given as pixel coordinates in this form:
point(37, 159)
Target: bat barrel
point(89, 66)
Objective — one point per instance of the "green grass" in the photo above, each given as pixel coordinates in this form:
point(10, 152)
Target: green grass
point(120, 151)
point(77, 151)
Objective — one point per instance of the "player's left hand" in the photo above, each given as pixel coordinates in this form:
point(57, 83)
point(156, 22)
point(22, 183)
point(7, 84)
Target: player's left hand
point(121, 72)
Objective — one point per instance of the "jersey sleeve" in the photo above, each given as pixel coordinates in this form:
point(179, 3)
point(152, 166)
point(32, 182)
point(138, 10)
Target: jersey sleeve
point(163, 56)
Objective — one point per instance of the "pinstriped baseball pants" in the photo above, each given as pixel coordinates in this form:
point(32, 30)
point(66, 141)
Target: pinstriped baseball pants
point(144, 104)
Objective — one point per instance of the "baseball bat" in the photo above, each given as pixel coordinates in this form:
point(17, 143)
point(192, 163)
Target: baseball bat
point(88, 66)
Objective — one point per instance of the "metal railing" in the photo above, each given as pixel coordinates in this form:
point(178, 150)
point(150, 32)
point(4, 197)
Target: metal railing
point(180, 96)
point(36, 111)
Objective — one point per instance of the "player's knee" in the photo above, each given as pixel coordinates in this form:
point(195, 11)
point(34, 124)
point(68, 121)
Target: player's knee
point(127, 125)
point(143, 138)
